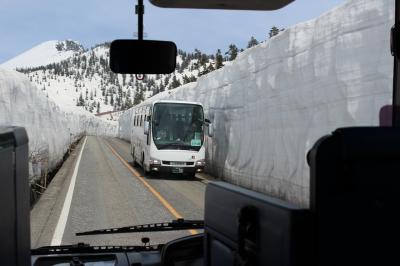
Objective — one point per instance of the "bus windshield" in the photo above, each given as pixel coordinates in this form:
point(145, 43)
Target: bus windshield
point(178, 126)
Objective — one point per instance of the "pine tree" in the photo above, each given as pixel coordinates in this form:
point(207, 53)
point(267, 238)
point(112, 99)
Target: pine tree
point(232, 52)
point(81, 100)
point(128, 103)
point(162, 87)
point(141, 95)
point(136, 98)
point(252, 42)
point(219, 60)
point(197, 54)
point(123, 80)
point(192, 78)
point(273, 31)
point(175, 82)
point(166, 80)
point(203, 59)
point(185, 79)
point(119, 101)
point(98, 107)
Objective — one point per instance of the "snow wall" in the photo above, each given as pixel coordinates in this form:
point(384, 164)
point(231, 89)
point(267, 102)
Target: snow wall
point(270, 105)
point(50, 129)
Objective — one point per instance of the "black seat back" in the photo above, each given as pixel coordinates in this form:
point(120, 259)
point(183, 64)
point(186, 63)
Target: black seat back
point(355, 183)
point(14, 197)
point(243, 227)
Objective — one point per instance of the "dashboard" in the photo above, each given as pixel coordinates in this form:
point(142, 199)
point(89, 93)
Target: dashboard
point(180, 252)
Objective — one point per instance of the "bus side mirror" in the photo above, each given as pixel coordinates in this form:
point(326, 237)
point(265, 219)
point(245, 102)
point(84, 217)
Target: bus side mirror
point(209, 127)
point(210, 130)
point(146, 127)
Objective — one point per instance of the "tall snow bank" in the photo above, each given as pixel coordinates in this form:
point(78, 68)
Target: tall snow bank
point(271, 104)
point(50, 129)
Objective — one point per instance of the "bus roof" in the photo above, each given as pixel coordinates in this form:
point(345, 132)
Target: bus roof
point(176, 101)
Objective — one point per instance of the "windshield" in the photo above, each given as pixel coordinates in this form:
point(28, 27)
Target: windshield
point(111, 150)
point(178, 126)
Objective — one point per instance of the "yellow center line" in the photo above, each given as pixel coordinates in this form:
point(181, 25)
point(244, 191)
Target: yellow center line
point(163, 201)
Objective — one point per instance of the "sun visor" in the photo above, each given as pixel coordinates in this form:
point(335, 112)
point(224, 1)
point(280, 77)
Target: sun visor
point(223, 4)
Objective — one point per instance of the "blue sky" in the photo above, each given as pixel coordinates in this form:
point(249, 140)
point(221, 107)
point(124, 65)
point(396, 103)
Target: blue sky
point(26, 23)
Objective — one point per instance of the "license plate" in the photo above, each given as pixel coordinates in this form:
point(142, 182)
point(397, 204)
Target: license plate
point(177, 170)
point(178, 163)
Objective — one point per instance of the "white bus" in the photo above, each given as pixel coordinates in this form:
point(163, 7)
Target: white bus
point(168, 136)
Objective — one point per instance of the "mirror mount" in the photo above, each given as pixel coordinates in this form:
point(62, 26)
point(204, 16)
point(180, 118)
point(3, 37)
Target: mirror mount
point(139, 10)
point(142, 56)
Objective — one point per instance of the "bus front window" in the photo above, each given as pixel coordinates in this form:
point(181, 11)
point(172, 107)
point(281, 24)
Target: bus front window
point(178, 126)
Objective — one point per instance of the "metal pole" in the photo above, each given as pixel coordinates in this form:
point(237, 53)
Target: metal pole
point(140, 12)
point(395, 37)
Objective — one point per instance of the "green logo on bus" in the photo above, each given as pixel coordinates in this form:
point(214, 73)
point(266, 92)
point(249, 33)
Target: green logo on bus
point(195, 142)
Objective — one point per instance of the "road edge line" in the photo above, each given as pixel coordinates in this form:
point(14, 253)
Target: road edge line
point(62, 220)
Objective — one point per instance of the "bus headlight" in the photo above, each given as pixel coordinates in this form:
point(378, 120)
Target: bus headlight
point(153, 161)
point(201, 163)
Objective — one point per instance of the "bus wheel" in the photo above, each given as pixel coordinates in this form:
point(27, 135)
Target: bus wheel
point(146, 173)
point(135, 164)
point(192, 175)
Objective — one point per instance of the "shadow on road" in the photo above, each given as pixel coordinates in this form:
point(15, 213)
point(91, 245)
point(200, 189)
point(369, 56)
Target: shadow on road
point(164, 176)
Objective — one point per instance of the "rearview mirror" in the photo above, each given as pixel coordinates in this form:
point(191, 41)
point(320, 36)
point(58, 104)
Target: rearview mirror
point(210, 131)
point(209, 127)
point(142, 57)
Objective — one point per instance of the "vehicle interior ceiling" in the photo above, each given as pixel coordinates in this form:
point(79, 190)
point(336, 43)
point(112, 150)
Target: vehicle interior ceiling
point(353, 186)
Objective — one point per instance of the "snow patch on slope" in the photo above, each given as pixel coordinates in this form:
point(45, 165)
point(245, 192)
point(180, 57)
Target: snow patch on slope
point(43, 54)
point(270, 105)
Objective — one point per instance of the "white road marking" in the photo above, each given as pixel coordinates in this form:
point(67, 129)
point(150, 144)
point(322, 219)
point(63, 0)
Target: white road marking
point(62, 220)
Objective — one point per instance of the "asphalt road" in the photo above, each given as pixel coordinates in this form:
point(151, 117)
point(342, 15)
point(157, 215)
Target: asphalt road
point(110, 192)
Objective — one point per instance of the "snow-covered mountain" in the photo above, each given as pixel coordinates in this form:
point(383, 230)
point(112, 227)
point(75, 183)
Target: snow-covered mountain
point(44, 53)
point(77, 78)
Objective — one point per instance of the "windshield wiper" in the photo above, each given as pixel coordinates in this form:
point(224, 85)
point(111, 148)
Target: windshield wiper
point(175, 225)
point(180, 145)
point(173, 144)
